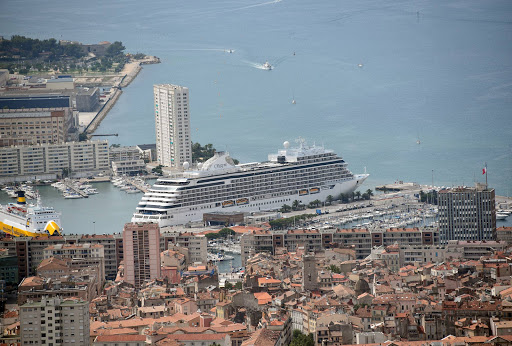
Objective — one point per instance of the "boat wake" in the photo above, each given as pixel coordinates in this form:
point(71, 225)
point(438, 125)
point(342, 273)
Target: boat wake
point(257, 65)
point(201, 50)
point(254, 5)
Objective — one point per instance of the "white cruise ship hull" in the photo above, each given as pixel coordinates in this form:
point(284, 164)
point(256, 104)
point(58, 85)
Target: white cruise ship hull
point(184, 215)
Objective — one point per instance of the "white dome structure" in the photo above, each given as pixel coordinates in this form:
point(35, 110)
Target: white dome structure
point(186, 165)
point(286, 144)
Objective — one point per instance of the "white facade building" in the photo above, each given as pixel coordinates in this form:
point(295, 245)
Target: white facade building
point(54, 321)
point(75, 157)
point(172, 122)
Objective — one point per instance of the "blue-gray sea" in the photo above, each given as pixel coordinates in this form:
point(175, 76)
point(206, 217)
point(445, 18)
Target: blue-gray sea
point(370, 79)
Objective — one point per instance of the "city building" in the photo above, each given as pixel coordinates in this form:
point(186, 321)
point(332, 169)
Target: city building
point(423, 254)
point(54, 321)
point(172, 120)
point(473, 250)
point(126, 161)
point(4, 77)
point(141, 242)
point(196, 245)
point(8, 268)
point(148, 152)
point(467, 213)
point(36, 126)
point(24, 101)
point(89, 254)
point(128, 168)
point(72, 158)
point(361, 240)
point(87, 99)
point(309, 273)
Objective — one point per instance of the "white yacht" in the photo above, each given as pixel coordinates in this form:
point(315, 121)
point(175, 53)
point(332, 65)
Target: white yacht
point(267, 66)
point(304, 174)
point(501, 216)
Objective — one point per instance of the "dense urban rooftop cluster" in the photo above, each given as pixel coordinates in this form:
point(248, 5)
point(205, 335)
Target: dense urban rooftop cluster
point(389, 297)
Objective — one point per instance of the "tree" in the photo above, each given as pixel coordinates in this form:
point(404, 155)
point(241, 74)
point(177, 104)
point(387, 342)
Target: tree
point(158, 170)
point(329, 199)
point(228, 285)
point(343, 198)
point(115, 49)
point(300, 339)
point(239, 285)
point(358, 194)
point(139, 56)
point(316, 203)
point(82, 137)
point(223, 233)
point(369, 192)
point(335, 269)
point(296, 205)
point(286, 208)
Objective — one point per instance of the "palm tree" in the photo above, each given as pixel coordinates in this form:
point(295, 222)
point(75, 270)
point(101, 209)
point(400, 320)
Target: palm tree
point(369, 192)
point(358, 194)
point(285, 208)
point(316, 202)
point(296, 205)
point(329, 199)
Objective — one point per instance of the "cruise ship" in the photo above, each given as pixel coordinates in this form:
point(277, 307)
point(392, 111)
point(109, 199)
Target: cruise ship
point(20, 220)
point(305, 173)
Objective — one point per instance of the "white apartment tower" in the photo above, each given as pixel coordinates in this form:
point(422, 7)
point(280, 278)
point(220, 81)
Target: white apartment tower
point(172, 120)
point(54, 321)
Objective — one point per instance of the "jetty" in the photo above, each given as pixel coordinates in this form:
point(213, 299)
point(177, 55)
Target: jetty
point(139, 186)
point(72, 187)
point(398, 186)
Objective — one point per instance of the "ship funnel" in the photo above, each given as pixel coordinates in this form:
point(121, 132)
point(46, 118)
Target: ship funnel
point(21, 197)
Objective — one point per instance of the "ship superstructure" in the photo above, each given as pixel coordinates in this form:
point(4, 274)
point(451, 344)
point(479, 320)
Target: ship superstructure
point(306, 173)
point(20, 220)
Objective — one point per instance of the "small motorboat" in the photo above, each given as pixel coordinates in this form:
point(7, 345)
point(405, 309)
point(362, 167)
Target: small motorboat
point(267, 66)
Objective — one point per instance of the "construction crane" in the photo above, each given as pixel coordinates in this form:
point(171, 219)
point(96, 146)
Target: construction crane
point(105, 135)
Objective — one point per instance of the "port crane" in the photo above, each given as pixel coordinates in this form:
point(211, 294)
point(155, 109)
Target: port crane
point(105, 135)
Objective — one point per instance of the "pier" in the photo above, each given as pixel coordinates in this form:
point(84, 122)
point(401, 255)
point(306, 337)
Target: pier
point(70, 186)
point(135, 183)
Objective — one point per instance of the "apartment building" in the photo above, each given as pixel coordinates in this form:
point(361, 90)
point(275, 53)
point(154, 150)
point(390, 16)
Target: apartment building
point(422, 254)
point(361, 240)
point(467, 213)
point(90, 254)
point(195, 243)
point(141, 243)
point(78, 158)
point(36, 126)
point(54, 321)
point(172, 120)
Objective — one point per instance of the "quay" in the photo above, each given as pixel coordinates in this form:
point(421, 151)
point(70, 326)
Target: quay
point(398, 186)
point(70, 186)
point(137, 184)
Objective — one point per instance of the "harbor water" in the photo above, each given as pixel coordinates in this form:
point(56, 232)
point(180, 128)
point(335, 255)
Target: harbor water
point(415, 91)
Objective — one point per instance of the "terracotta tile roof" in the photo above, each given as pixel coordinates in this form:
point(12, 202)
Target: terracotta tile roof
point(262, 337)
point(263, 298)
point(120, 338)
point(263, 281)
